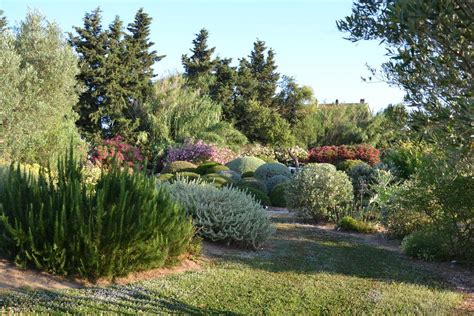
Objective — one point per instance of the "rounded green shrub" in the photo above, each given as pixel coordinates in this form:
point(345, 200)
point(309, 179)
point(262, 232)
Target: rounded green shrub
point(320, 191)
point(428, 244)
point(271, 169)
point(258, 195)
point(124, 224)
point(245, 164)
point(187, 175)
point(348, 223)
point(253, 183)
point(248, 174)
point(278, 195)
point(362, 177)
point(165, 176)
point(216, 179)
point(348, 164)
point(231, 175)
point(203, 168)
point(224, 214)
point(179, 166)
point(217, 169)
point(276, 180)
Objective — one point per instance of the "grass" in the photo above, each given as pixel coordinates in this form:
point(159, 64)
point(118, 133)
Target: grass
point(302, 271)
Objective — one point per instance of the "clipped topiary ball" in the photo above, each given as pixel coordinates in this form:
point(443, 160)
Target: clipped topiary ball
point(253, 183)
point(231, 175)
point(245, 164)
point(202, 169)
point(187, 175)
point(273, 181)
point(216, 179)
point(165, 176)
point(268, 170)
point(179, 166)
point(278, 195)
point(217, 169)
point(248, 174)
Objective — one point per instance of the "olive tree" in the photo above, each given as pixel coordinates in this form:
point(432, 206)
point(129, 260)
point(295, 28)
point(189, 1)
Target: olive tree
point(37, 91)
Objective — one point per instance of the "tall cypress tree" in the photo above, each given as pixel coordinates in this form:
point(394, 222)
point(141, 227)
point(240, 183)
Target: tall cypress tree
point(90, 44)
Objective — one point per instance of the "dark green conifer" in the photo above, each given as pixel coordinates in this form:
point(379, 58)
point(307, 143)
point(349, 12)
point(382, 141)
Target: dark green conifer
point(199, 67)
point(90, 44)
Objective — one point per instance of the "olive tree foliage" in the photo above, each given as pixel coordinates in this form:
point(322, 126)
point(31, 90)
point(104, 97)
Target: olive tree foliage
point(37, 91)
point(430, 45)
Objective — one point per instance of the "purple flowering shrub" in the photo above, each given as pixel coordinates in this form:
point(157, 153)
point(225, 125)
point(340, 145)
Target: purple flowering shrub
point(198, 152)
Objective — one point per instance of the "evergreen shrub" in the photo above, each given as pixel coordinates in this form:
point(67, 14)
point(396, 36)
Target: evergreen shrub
point(245, 164)
point(278, 195)
point(224, 214)
point(321, 192)
point(268, 170)
point(179, 166)
point(273, 181)
point(62, 226)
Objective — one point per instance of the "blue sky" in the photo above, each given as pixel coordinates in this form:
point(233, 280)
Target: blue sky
point(303, 34)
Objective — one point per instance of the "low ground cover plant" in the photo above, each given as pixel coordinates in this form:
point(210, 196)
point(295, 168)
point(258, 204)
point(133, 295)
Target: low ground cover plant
point(348, 223)
point(62, 226)
point(224, 214)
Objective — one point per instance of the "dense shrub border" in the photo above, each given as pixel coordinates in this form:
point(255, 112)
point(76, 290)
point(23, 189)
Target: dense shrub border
point(336, 154)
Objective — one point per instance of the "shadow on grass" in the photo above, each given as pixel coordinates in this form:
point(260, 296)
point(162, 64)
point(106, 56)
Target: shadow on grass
point(309, 250)
point(114, 299)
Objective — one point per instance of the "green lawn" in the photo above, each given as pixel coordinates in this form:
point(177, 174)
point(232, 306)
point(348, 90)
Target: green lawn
point(302, 270)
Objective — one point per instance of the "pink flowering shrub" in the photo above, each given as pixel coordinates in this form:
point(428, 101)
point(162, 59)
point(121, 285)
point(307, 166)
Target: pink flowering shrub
point(336, 154)
point(115, 148)
point(198, 152)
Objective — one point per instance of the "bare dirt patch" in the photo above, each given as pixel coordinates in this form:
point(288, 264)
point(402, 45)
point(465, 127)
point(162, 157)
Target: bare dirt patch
point(12, 277)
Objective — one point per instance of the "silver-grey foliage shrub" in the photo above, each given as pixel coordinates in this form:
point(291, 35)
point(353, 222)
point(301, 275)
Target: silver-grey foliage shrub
point(321, 192)
point(223, 214)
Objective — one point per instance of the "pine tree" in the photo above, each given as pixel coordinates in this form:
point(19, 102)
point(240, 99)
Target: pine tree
point(199, 67)
point(90, 44)
point(3, 22)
